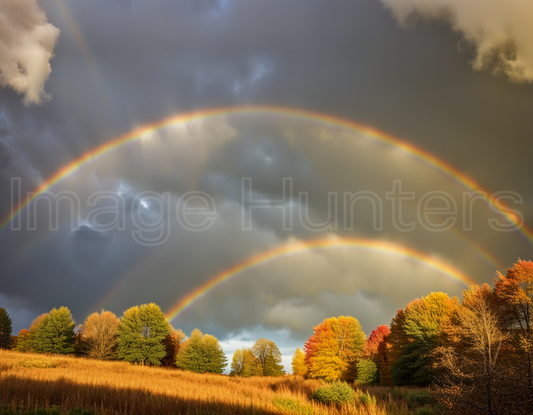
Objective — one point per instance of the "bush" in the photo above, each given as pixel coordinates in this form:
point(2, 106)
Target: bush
point(293, 406)
point(424, 411)
point(336, 393)
point(366, 399)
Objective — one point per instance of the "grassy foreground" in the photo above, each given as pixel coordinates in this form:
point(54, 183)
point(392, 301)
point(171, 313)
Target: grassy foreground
point(68, 385)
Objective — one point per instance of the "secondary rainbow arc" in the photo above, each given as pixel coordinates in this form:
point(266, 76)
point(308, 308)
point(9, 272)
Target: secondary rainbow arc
point(298, 247)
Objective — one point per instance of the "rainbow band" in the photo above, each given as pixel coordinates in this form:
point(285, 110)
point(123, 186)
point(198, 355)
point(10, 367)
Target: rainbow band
point(304, 115)
point(294, 248)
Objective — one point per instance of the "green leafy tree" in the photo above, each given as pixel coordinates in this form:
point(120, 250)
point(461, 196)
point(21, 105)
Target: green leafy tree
point(268, 357)
point(367, 372)
point(54, 333)
point(5, 329)
point(141, 333)
point(424, 326)
point(201, 353)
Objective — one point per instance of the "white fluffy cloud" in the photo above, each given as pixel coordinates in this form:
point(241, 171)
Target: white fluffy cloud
point(27, 44)
point(501, 30)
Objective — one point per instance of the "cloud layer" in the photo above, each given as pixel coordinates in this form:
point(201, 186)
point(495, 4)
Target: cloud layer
point(27, 44)
point(500, 30)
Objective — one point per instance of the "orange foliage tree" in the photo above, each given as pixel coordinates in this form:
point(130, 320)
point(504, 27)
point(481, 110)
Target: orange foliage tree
point(332, 352)
point(376, 350)
point(514, 293)
point(172, 343)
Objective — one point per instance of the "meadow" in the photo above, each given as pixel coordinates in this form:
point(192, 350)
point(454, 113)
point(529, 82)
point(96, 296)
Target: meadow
point(50, 384)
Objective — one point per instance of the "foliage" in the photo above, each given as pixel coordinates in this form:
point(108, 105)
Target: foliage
point(25, 337)
point(367, 372)
point(514, 295)
point(141, 332)
point(201, 353)
point(99, 335)
point(293, 405)
point(244, 363)
point(422, 328)
point(5, 330)
point(476, 372)
point(54, 333)
point(268, 357)
point(335, 394)
point(376, 349)
point(366, 399)
point(172, 343)
point(299, 366)
point(334, 348)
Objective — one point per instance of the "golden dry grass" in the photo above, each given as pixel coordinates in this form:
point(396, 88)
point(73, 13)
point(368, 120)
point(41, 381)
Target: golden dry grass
point(29, 381)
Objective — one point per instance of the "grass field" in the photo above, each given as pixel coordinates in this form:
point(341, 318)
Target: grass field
point(39, 384)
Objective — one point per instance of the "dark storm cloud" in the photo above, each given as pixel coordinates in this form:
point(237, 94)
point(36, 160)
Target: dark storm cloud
point(137, 62)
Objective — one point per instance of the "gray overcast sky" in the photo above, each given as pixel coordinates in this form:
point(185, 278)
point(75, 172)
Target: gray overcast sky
point(450, 77)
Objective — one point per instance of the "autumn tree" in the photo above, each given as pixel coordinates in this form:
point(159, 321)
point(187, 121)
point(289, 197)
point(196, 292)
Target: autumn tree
point(268, 357)
point(99, 335)
point(5, 329)
point(244, 363)
point(141, 332)
point(172, 343)
point(514, 293)
point(237, 363)
point(333, 350)
point(25, 337)
point(54, 333)
point(472, 377)
point(376, 350)
point(422, 331)
point(299, 366)
point(201, 353)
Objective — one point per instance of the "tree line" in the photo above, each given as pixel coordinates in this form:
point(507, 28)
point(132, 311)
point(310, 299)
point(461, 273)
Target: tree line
point(476, 353)
point(142, 336)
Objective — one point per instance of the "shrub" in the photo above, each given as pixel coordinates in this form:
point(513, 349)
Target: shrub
point(366, 399)
point(424, 411)
point(337, 393)
point(293, 406)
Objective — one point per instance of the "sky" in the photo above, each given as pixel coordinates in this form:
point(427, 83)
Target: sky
point(256, 166)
